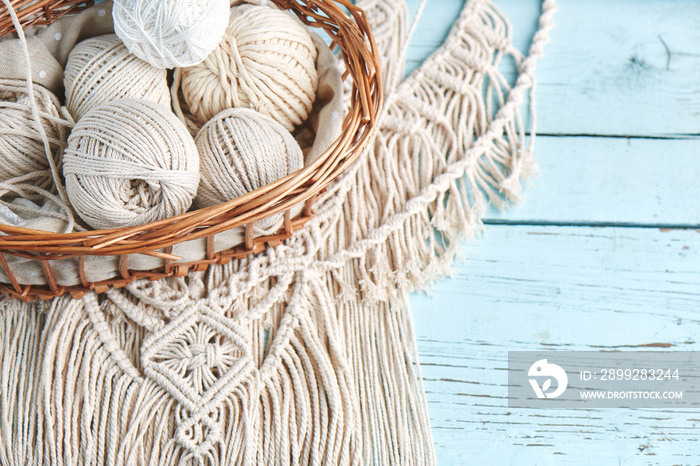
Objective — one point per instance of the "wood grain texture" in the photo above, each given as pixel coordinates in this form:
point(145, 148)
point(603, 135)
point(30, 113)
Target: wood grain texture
point(622, 68)
point(602, 180)
point(594, 259)
point(618, 68)
point(558, 288)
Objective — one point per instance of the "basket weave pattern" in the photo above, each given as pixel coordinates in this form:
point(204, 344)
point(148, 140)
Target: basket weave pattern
point(37, 12)
point(349, 30)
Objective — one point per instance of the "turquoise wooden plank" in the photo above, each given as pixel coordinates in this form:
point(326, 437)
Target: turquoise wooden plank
point(589, 180)
point(622, 68)
point(574, 288)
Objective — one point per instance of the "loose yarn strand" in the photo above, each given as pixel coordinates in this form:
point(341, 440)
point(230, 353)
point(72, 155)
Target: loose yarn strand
point(541, 38)
point(32, 104)
point(404, 49)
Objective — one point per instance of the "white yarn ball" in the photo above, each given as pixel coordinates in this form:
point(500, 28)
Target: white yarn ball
point(130, 162)
point(101, 69)
point(266, 61)
point(242, 150)
point(170, 33)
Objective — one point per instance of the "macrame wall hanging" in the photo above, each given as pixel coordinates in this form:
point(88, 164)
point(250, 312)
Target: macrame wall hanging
point(302, 354)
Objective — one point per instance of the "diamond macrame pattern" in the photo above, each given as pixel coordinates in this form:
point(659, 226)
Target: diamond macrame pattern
point(198, 358)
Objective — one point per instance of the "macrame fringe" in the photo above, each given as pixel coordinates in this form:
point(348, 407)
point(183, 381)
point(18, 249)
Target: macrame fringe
point(432, 122)
point(101, 401)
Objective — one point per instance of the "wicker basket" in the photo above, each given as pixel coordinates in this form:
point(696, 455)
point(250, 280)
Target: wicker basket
point(348, 28)
point(39, 12)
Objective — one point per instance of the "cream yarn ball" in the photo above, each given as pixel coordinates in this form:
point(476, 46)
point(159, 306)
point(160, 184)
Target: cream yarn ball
point(101, 69)
point(266, 61)
point(130, 162)
point(21, 147)
point(170, 33)
point(242, 150)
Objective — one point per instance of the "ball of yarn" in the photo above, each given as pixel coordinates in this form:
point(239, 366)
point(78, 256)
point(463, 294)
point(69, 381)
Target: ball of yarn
point(101, 69)
point(242, 150)
point(170, 33)
point(21, 147)
point(266, 61)
point(130, 162)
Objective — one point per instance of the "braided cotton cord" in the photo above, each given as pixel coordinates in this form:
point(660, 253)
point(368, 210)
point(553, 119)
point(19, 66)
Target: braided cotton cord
point(240, 71)
point(130, 162)
point(21, 148)
point(101, 69)
point(171, 33)
point(454, 171)
point(242, 150)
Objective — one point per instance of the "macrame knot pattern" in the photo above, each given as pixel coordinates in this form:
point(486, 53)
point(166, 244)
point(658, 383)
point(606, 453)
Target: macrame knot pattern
point(214, 358)
point(199, 357)
point(321, 368)
point(197, 433)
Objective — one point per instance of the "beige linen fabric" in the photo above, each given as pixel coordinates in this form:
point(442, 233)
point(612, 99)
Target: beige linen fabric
point(51, 45)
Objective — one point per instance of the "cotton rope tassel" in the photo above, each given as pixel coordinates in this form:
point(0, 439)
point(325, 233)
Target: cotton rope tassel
point(170, 33)
point(130, 162)
point(101, 69)
point(21, 145)
point(266, 61)
point(242, 150)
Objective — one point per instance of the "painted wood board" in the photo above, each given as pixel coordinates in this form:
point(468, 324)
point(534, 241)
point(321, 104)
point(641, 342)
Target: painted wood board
point(620, 68)
point(602, 180)
point(590, 180)
point(559, 288)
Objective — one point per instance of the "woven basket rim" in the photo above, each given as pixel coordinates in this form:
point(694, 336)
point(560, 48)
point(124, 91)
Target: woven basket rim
point(349, 29)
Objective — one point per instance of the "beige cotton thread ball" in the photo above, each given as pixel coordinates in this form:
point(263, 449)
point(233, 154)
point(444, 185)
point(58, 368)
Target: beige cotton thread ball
point(266, 61)
point(101, 69)
point(170, 33)
point(130, 162)
point(22, 150)
point(242, 150)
